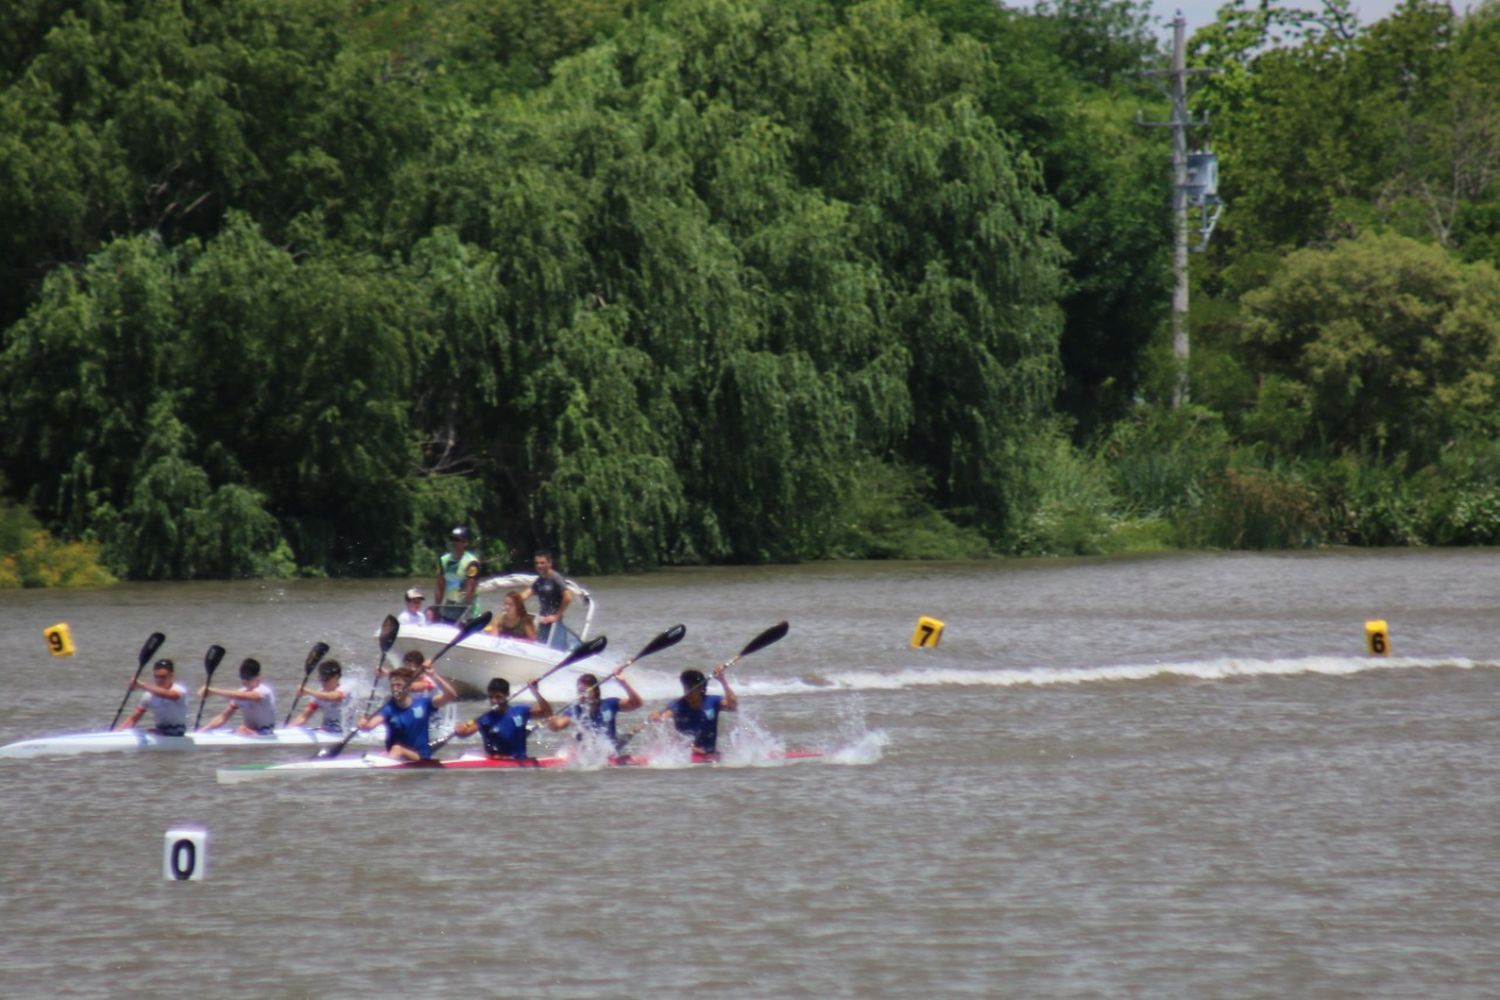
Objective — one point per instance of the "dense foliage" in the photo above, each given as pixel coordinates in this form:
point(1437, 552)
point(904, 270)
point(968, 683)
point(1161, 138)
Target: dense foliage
point(291, 287)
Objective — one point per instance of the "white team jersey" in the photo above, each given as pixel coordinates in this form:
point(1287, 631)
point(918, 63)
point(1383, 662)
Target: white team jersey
point(259, 714)
point(166, 711)
point(333, 711)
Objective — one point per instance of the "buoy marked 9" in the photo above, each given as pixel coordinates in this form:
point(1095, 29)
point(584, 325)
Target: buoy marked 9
point(59, 639)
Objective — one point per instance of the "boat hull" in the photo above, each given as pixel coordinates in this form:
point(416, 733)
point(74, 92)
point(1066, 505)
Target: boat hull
point(471, 664)
point(374, 764)
point(128, 740)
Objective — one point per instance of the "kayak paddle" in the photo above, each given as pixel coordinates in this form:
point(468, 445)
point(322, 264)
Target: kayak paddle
point(211, 660)
point(153, 643)
point(388, 630)
point(476, 625)
point(773, 634)
point(591, 648)
point(670, 637)
point(319, 650)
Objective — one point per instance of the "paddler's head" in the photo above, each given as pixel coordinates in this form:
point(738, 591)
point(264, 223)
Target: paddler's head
point(499, 691)
point(250, 673)
point(401, 679)
point(693, 686)
point(329, 672)
point(588, 688)
point(163, 672)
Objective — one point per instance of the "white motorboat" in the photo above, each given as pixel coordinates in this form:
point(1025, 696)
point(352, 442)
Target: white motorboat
point(479, 657)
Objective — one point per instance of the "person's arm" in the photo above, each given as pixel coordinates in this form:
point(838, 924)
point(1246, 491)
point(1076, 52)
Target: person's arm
point(441, 587)
point(371, 721)
point(559, 721)
point(543, 708)
point(662, 714)
point(161, 692)
point(730, 702)
point(633, 702)
point(471, 583)
point(222, 717)
point(133, 717)
point(528, 625)
point(449, 692)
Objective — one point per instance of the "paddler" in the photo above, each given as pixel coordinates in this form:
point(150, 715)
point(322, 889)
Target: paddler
point(255, 701)
point(408, 715)
point(329, 698)
point(594, 714)
point(696, 713)
point(503, 727)
point(457, 578)
point(165, 698)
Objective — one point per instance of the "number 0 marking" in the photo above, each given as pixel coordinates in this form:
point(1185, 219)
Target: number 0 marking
point(183, 871)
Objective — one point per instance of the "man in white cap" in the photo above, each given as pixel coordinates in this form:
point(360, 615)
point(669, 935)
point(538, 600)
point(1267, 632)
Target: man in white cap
point(413, 614)
point(457, 579)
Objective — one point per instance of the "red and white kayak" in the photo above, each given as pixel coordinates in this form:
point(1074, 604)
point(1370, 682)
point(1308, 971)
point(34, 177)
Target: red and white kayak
point(378, 764)
point(113, 741)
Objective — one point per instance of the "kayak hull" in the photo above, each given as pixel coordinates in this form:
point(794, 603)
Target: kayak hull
point(374, 764)
point(117, 741)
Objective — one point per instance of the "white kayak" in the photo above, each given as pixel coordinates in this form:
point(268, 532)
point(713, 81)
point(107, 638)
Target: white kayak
point(139, 739)
point(379, 764)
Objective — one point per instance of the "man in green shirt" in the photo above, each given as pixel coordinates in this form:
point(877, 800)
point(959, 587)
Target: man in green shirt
point(457, 579)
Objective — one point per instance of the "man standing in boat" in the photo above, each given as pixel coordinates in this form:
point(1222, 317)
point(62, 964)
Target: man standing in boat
point(457, 579)
point(552, 598)
point(255, 701)
point(166, 699)
point(696, 713)
point(408, 716)
point(503, 727)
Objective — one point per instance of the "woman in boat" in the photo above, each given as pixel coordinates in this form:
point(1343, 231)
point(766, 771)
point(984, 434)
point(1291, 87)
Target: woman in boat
point(514, 621)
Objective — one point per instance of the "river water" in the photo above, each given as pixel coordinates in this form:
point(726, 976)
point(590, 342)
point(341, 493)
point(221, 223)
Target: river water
point(1175, 776)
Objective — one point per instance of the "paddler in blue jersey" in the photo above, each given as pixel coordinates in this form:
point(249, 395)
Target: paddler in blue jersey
point(255, 701)
point(596, 715)
point(696, 713)
point(457, 579)
point(407, 716)
point(503, 727)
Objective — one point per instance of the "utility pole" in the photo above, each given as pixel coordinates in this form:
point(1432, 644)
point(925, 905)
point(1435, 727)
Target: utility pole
point(1194, 185)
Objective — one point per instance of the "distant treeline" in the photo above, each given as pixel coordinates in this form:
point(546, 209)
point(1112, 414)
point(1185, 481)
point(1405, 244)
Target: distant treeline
point(292, 287)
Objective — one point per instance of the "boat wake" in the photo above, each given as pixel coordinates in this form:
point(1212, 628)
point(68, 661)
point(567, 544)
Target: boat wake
point(1227, 668)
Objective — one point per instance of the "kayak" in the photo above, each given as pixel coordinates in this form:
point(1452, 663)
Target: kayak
point(108, 741)
point(376, 764)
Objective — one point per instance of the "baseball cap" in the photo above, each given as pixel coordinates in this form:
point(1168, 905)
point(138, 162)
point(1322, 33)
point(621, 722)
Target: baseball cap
point(460, 532)
point(414, 594)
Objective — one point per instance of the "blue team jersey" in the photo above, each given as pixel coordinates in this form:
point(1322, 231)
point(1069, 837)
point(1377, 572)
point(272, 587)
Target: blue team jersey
point(600, 720)
point(702, 724)
point(408, 726)
point(504, 731)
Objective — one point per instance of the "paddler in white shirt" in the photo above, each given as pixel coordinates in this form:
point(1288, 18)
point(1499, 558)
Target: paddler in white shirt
point(329, 698)
point(255, 701)
point(166, 699)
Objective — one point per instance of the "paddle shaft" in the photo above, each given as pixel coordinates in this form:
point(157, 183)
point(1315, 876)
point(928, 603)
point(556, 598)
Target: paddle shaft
point(317, 653)
point(388, 631)
point(152, 644)
point(210, 664)
point(591, 648)
point(476, 625)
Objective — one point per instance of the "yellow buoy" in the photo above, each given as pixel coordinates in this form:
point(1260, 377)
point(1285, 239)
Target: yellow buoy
point(927, 634)
point(59, 640)
point(1377, 637)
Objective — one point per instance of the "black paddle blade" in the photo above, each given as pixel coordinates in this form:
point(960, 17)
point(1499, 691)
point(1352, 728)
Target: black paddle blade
point(593, 647)
point(773, 634)
point(319, 650)
point(670, 637)
point(211, 659)
point(153, 643)
point(388, 630)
